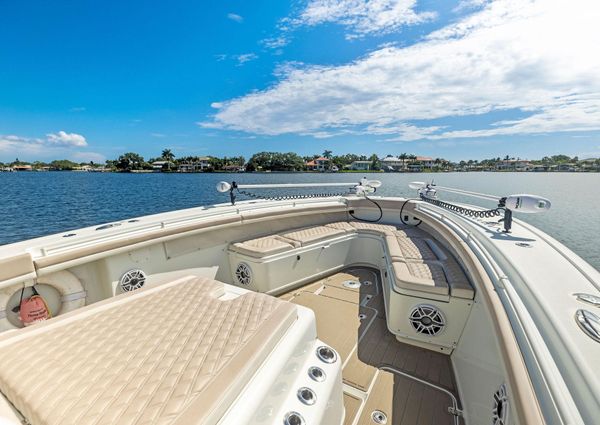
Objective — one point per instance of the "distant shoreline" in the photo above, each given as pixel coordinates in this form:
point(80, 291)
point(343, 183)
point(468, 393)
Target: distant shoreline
point(302, 172)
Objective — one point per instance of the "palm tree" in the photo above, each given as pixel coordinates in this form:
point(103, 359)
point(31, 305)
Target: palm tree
point(327, 154)
point(403, 157)
point(168, 156)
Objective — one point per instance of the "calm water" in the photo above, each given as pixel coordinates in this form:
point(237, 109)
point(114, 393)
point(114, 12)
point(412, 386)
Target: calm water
point(38, 204)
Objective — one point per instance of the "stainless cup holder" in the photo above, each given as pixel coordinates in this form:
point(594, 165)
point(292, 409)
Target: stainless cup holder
point(316, 374)
point(293, 418)
point(307, 396)
point(326, 354)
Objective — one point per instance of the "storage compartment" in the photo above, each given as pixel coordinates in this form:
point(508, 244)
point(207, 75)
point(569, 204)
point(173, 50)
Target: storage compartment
point(276, 273)
point(426, 322)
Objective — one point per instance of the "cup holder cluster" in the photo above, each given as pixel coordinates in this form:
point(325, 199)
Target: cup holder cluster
point(308, 396)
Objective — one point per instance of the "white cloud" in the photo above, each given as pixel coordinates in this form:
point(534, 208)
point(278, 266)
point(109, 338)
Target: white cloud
point(246, 57)
point(18, 145)
point(235, 17)
point(240, 59)
point(536, 57)
point(363, 17)
point(54, 146)
point(66, 139)
point(469, 4)
point(275, 42)
point(158, 135)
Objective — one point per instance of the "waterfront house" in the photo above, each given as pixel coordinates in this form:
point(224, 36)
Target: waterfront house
point(361, 165)
point(570, 168)
point(200, 164)
point(234, 168)
point(392, 163)
point(22, 167)
point(513, 165)
point(589, 164)
point(318, 164)
point(158, 166)
point(425, 161)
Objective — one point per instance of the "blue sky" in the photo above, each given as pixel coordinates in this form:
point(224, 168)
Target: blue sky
point(459, 80)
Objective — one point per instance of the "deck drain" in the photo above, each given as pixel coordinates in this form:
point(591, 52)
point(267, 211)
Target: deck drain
point(367, 283)
point(362, 316)
point(353, 284)
point(379, 417)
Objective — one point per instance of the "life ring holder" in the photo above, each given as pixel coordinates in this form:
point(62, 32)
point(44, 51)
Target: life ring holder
point(72, 294)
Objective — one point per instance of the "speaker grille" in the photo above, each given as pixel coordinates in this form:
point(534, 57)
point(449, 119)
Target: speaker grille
point(243, 274)
point(427, 319)
point(132, 280)
point(500, 409)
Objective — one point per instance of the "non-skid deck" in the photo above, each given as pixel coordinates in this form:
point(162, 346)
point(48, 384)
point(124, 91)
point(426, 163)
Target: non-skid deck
point(380, 374)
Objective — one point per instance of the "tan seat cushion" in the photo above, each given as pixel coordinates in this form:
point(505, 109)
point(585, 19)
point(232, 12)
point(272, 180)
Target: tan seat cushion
point(342, 225)
point(312, 234)
point(264, 246)
point(373, 228)
point(422, 277)
point(410, 232)
point(402, 248)
point(459, 283)
point(153, 356)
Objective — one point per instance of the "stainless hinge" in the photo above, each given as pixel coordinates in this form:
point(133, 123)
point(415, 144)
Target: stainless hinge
point(455, 411)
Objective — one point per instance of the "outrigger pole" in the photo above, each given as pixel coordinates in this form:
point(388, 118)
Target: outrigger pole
point(363, 187)
point(524, 203)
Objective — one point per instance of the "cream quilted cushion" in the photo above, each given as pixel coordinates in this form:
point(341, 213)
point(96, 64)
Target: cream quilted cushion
point(422, 277)
point(264, 246)
point(154, 357)
point(410, 232)
point(374, 228)
point(459, 284)
point(342, 225)
point(409, 248)
point(312, 234)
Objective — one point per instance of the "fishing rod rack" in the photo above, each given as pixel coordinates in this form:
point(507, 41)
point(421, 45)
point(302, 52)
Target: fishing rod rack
point(505, 204)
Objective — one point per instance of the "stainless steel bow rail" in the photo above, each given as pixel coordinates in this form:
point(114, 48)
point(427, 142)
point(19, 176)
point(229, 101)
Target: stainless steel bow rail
point(506, 204)
point(364, 187)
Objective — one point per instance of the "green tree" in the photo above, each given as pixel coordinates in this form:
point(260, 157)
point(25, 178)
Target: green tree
point(375, 163)
point(63, 165)
point(403, 157)
point(168, 156)
point(327, 154)
point(275, 161)
point(130, 161)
